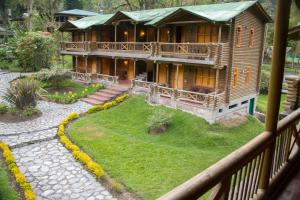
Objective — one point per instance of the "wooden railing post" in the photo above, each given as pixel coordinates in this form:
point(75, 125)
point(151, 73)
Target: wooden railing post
point(277, 71)
point(221, 191)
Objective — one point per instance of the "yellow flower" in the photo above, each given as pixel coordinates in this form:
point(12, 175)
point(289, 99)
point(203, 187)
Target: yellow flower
point(95, 169)
point(70, 92)
point(29, 195)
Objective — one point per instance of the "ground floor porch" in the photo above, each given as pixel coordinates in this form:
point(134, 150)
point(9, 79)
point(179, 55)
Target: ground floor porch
point(195, 78)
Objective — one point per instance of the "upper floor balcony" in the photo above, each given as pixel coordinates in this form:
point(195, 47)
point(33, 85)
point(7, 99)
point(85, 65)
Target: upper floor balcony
point(215, 54)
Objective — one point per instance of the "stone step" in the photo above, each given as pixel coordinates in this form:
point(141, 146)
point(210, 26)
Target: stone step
point(98, 97)
point(106, 95)
point(112, 92)
point(92, 101)
point(118, 89)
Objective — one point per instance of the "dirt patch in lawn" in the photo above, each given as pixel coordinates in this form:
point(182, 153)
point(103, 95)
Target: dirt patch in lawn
point(17, 117)
point(60, 89)
point(91, 133)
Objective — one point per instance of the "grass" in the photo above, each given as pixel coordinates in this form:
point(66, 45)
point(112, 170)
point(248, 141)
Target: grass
point(151, 165)
point(76, 92)
point(7, 192)
point(261, 104)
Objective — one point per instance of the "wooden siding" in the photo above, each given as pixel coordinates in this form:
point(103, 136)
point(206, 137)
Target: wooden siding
point(245, 56)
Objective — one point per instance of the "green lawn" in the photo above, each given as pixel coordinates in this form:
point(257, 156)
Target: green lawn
point(151, 165)
point(261, 104)
point(6, 190)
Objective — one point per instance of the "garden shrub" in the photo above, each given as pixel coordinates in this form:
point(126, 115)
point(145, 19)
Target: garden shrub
point(29, 111)
point(33, 50)
point(3, 108)
point(264, 83)
point(23, 93)
point(158, 121)
point(55, 76)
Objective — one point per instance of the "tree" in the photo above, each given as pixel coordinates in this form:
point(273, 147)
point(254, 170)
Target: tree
point(72, 4)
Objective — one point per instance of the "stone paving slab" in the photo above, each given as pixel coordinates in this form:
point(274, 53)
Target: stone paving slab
point(55, 174)
point(28, 137)
point(53, 114)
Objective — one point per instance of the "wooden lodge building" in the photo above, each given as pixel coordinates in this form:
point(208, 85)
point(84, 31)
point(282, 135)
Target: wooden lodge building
point(203, 59)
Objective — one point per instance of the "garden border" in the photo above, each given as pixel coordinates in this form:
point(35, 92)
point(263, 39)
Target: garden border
point(88, 163)
point(16, 173)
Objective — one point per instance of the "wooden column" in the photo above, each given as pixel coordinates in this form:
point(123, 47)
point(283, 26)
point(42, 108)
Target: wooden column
point(134, 32)
point(116, 66)
point(134, 70)
point(157, 35)
point(220, 34)
point(115, 25)
point(86, 61)
point(177, 73)
point(277, 71)
point(157, 72)
point(217, 81)
point(76, 63)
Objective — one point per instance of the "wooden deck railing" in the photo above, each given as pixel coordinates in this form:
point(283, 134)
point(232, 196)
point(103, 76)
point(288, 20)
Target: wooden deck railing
point(84, 77)
point(203, 51)
point(210, 100)
point(107, 78)
point(218, 53)
point(140, 47)
point(74, 46)
point(237, 176)
point(141, 84)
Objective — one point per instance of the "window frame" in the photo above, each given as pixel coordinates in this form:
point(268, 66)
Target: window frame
point(251, 37)
point(235, 77)
point(239, 36)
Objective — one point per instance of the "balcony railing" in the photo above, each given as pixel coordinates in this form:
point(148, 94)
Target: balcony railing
point(106, 78)
point(141, 47)
point(210, 100)
point(238, 175)
point(84, 77)
point(214, 52)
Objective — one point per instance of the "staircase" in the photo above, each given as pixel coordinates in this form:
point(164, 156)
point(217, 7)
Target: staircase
point(107, 94)
point(142, 77)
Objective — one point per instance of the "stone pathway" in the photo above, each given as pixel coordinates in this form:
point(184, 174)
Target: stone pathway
point(49, 167)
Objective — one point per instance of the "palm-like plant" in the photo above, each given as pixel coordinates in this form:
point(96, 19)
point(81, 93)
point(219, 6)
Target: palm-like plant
point(23, 93)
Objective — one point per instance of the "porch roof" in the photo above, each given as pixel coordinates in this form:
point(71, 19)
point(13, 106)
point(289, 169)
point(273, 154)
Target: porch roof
point(216, 13)
point(86, 22)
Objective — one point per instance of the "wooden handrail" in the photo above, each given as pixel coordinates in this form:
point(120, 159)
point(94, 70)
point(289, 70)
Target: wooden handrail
point(237, 160)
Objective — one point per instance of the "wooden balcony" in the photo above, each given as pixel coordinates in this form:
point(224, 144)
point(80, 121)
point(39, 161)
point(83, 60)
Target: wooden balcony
point(239, 175)
point(204, 100)
point(210, 54)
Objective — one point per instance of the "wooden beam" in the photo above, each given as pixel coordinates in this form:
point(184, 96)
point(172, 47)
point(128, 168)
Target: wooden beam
point(76, 63)
point(220, 34)
point(157, 72)
point(86, 59)
point(276, 78)
point(134, 68)
point(217, 81)
point(116, 66)
point(157, 34)
point(177, 73)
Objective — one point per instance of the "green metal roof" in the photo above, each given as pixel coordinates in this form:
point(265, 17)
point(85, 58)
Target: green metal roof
point(77, 12)
point(91, 21)
point(213, 12)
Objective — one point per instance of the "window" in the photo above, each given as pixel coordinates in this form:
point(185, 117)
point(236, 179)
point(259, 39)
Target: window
point(251, 34)
point(239, 33)
point(247, 74)
point(235, 76)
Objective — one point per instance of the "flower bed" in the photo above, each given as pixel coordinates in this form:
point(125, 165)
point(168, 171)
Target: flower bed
point(78, 154)
point(16, 173)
